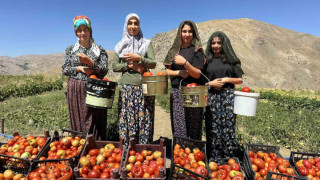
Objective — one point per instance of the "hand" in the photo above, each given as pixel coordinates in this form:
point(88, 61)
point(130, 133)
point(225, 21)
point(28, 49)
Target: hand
point(85, 70)
point(84, 59)
point(216, 83)
point(132, 57)
point(179, 60)
point(183, 73)
point(136, 67)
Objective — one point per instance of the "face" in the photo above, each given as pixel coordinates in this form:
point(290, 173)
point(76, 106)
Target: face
point(83, 33)
point(216, 46)
point(186, 34)
point(133, 26)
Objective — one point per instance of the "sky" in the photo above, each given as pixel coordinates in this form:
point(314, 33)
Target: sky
point(46, 27)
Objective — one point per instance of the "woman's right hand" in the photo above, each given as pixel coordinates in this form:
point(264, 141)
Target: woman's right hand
point(85, 70)
point(136, 67)
point(216, 83)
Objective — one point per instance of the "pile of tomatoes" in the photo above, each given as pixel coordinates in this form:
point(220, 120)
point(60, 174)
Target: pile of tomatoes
point(192, 85)
point(262, 162)
point(144, 164)
point(93, 76)
point(191, 160)
point(25, 147)
point(53, 171)
point(160, 73)
point(99, 163)
point(9, 174)
point(66, 148)
point(228, 171)
point(309, 167)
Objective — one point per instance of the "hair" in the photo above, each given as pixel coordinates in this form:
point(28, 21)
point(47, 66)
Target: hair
point(189, 24)
point(222, 53)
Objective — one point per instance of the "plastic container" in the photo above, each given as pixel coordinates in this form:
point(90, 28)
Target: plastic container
point(296, 156)
point(138, 148)
point(18, 164)
point(194, 96)
point(92, 144)
point(225, 161)
point(155, 85)
point(245, 103)
point(49, 163)
point(57, 137)
point(250, 173)
point(100, 94)
point(177, 171)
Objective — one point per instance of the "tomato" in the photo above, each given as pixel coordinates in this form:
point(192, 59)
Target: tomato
point(235, 166)
point(199, 156)
point(160, 73)
point(93, 174)
point(282, 168)
point(263, 172)
point(202, 171)
point(137, 171)
point(259, 162)
point(94, 152)
point(303, 171)
point(246, 89)
point(147, 74)
point(222, 174)
point(105, 79)
point(105, 176)
point(192, 85)
point(132, 153)
point(231, 161)
point(238, 178)
point(92, 76)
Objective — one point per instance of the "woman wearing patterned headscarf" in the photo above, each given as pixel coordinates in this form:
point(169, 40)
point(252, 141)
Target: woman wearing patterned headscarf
point(184, 61)
point(134, 56)
point(223, 68)
point(82, 59)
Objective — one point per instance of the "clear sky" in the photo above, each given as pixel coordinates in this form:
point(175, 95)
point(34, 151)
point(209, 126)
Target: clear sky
point(46, 27)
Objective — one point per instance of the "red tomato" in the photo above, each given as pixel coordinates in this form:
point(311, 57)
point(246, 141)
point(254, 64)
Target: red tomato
point(105, 176)
point(235, 166)
point(160, 73)
point(105, 79)
point(192, 85)
point(94, 152)
point(137, 171)
point(92, 76)
point(246, 89)
point(93, 174)
point(202, 171)
point(238, 178)
point(199, 156)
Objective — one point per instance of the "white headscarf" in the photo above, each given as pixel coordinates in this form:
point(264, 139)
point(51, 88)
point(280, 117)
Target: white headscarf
point(132, 44)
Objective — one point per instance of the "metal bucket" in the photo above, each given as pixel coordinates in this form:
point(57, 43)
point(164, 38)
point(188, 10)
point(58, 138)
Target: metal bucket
point(155, 85)
point(194, 96)
point(100, 94)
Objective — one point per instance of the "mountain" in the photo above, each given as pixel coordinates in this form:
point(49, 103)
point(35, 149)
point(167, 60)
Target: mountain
point(271, 56)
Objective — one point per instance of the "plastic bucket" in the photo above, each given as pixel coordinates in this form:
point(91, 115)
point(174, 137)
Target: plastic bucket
point(155, 85)
point(194, 96)
point(245, 103)
point(100, 94)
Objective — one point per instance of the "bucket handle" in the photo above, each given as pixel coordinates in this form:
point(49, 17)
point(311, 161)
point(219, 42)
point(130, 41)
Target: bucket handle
point(200, 76)
point(243, 81)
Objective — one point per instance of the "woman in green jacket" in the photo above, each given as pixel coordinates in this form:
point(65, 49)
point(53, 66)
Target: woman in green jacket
point(134, 56)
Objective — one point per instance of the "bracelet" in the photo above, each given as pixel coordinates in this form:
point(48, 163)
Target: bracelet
point(185, 63)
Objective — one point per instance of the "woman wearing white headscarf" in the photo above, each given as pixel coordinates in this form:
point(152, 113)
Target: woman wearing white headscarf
point(134, 56)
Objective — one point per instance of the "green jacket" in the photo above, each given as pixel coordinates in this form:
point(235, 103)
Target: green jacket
point(130, 76)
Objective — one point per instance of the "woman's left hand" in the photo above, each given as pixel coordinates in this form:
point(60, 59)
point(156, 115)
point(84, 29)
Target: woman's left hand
point(179, 60)
point(85, 59)
point(132, 57)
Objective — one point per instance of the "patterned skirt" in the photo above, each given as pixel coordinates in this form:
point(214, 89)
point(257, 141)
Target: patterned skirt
point(136, 114)
point(186, 122)
point(84, 118)
point(220, 125)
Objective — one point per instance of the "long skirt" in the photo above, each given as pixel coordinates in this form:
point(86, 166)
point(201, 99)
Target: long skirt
point(186, 122)
point(220, 125)
point(84, 118)
point(136, 114)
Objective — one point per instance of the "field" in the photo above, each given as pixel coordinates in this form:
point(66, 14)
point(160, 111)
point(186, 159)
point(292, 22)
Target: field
point(287, 118)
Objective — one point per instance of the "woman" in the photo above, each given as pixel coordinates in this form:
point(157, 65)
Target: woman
point(223, 68)
point(136, 111)
point(82, 59)
point(184, 63)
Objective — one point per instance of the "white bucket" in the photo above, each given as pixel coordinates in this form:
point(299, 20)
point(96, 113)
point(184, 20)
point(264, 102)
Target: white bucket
point(245, 103)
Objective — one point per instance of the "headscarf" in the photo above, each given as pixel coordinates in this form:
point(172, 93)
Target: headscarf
point(132, 44)
point(232, 58)
point(84, 20)
point(176, 46)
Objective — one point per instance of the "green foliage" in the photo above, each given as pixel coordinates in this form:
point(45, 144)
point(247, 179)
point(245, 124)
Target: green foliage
point(33, 85)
